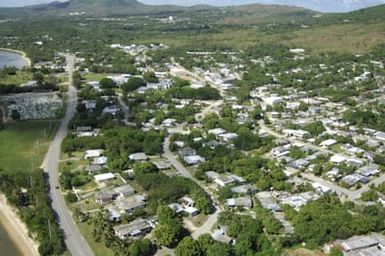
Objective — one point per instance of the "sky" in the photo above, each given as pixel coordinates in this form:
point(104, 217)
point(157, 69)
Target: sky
point(319, 5)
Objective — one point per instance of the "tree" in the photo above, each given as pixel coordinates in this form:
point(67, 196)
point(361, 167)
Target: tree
point(218, 249)
point(15, 115)
point(188, 247)
point(144, 167)
point(246, 139)
point(315, 128)
point(142, 247)
point(71, 197)
point(167, 234)
point(164, 213)
point(39, 78)
point(335, 252)
point(107, 83)
point(77, 79)
point(150, 77)
point(132, 84)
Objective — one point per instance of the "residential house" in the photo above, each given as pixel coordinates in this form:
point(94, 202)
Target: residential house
point(245, 202)
point(104, 177)
point(223, 180)
point(328, 143)
point(124, 191)
point(192, 160)
point(369, 170)
point(296, 133)
point(94, 153)
point(134, 229)
point(268, 201)
point(105, 196)
point(245, 189)
point(130, 204)
point(138, 157)
point(101, 161)
point(113, 214)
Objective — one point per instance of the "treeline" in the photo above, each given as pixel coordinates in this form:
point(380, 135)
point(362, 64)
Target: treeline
point(34, 208)
point(12, 88)
point(161, 188)
point(119, 143)
point(366, 118)
point(327, 219)
point(204, 93)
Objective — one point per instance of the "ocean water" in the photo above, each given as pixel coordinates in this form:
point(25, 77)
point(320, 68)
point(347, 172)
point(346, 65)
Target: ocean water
point(12, 59)
point(7, 247)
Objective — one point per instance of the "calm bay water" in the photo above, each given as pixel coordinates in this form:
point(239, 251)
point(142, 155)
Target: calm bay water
point(7, 247)
point(12, 59)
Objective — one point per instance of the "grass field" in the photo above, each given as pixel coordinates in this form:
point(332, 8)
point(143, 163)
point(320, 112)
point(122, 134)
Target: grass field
point(18, 79)
point(23, 145)
point(94, 76)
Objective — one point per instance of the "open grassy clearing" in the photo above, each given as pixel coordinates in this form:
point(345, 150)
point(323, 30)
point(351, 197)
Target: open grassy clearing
point(18, 79)
point(23, 145)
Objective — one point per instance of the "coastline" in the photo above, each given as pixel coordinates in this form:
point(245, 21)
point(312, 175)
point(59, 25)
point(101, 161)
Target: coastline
point(21, 53)
point(16, 229)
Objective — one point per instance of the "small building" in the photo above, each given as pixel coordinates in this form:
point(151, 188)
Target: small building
point(268, 201)
point(177, 208)
point(369, 170)
point(130, 204)
point(104, 177)
point(93, 168)
point(230, 136)
point(192, 160)
point(328, 143)
point(101, 161)
point(322, 189)
point(113, 214)
point(216, 131)
point(134, 229)
point(124, 191)
point(94, 153)
point(191, 211)
point(138, 157)
point(245, 202)
point(105, 196)
point(338, 159)
point(245, 189)
point(162, 165)
point(300, 164)
point(223, 180)
point(187, 201)
point(211, 175)
point(296, 133)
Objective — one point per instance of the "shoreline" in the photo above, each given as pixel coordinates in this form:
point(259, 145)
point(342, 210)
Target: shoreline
point(16, 229)
point(21, 53)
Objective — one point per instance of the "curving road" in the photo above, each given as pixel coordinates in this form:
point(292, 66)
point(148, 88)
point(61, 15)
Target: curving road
point(213, 218)
point(74, 240)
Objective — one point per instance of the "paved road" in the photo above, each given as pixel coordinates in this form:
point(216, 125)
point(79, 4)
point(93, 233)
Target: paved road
point(75, 242)
point(213, 218)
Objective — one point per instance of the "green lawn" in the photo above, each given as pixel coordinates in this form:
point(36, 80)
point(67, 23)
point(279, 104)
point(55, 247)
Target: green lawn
point(23, 145)
point(18, 79)
point(94, 76)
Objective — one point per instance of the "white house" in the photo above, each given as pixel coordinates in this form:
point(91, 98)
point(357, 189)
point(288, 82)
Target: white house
point(93, 153)
point(328, 143)
point(104, 177)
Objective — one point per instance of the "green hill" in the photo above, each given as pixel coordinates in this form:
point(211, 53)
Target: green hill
point(95, 8)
